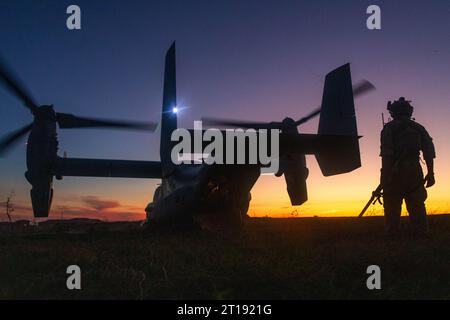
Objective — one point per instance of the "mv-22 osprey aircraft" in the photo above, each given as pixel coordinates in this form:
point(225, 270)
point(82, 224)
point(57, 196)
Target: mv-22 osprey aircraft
point(187, 189)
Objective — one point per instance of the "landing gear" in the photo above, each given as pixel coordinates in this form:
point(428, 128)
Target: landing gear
point(244, 209)
point(238, 212)
point(181, 222)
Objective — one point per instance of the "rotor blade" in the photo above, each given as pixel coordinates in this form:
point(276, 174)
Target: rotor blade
point(13, 84)
point(308, 117)
point(241, 124)
point(68, 121)
point(359, 89)
point(362, 87)
point(8, 141)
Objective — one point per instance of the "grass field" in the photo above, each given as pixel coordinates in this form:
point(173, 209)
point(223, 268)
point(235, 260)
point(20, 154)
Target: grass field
point(310, 258)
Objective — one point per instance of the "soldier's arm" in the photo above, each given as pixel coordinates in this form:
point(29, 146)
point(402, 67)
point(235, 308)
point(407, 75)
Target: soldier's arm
point(429, 154)
point(428, 149)
point(430, 165)
point(429, 178)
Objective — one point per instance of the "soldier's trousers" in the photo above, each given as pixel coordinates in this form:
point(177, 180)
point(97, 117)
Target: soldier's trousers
point(406, 184)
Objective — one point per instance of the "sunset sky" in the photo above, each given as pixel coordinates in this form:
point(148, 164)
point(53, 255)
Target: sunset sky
point(244, 59)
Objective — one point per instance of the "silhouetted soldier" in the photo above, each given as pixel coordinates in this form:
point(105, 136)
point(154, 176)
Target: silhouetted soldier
point(402, 139)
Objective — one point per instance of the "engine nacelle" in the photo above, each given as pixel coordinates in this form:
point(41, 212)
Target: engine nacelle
point(42, 147)
point(293, 166)
point(41, 199)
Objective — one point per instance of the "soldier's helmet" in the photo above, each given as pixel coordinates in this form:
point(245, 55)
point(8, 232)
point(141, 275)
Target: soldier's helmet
point(400, 107)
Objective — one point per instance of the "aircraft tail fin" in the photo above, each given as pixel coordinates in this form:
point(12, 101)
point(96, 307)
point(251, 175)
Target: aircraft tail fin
point(169, 111)
point(338, 117)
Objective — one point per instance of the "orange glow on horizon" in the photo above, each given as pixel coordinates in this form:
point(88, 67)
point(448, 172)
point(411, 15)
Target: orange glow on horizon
point(338, 196)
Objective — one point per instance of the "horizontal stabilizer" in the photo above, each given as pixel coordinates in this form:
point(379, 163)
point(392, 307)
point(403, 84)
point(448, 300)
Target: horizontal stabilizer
point(76, 167)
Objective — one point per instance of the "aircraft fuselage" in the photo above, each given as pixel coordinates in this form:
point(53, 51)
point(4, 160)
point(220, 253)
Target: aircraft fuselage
point(203, 189)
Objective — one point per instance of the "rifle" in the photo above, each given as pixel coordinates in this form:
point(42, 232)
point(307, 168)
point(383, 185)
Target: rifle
point(376, 196)
point(377, 193)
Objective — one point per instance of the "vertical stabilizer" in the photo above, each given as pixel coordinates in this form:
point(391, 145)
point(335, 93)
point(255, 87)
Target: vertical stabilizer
point(169, 111)
point(337, 117)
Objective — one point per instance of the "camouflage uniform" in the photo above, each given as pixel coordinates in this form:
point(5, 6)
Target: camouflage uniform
point(401, 175)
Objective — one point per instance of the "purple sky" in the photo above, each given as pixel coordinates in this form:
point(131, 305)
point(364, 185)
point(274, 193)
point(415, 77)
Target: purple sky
point(246, 59)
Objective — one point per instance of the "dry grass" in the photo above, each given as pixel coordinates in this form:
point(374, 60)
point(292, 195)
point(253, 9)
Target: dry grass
point(269, 258)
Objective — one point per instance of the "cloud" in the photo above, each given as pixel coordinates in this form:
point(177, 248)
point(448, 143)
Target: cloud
point(116, 213)
point(98, 208)
point(82, 207)
point(99, 204)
